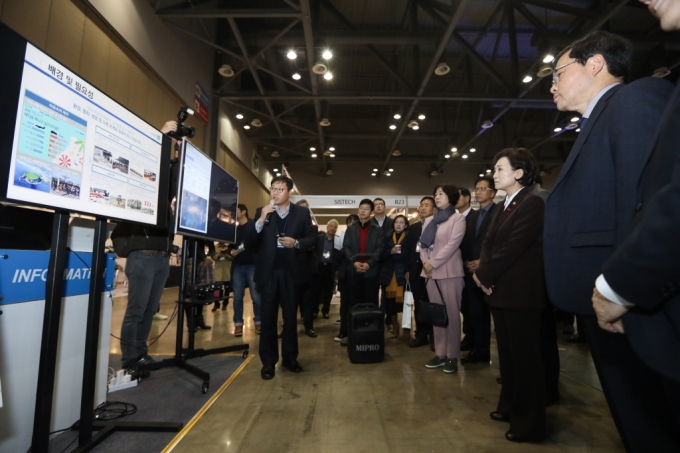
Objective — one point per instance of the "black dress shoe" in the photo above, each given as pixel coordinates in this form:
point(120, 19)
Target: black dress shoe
point(576, 339)
point(310, 333)
point(512, 437)
point(268, 372)
point(498, 417)
point(475, 357)
point(418, 342)
point(293, 366)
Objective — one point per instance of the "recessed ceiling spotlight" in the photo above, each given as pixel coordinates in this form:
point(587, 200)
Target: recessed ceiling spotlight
point(324, 122)
point(375, 169)
point(328, 76)
point(391, 170)
point(311, 148)
point(226, 71)
point(372, 174)
point(454, 149)
point(393, 127)
point(239, 116)
point(415, 128)
point(442, 69)
point(575, 119)
point(388, 174)
point(247, 126)
point(332, 155)
point(296, 76)
point(278, 174)
point(314, 155)
point(488, 170)
point(446, 156)
point(291, 54)
point(473, 150)
point(421, 117)
point(332, 148)
point(327, 55)
point(275, 170)
point(578, 129)
point(465, 156)
point(397, 116)
point(548, 58)
point(256, 123)
point(527, 78)
point(557, 129)
point(481, 174)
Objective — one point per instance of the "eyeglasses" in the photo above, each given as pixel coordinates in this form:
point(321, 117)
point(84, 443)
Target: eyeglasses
point(277, 189)
point(556, 76)
point(482, 189)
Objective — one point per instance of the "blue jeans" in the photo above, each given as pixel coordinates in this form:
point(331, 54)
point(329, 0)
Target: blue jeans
point(242, 276)
point(146, 275)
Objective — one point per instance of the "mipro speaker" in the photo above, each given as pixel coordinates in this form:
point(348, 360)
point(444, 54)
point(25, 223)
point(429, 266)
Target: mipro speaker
point(366, 337)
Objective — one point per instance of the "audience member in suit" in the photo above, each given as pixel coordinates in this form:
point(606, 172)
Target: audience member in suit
point(463, 207)
point(582, 231)
point(362, 238)
point(414, 266)
point(638, 293)
point(385, 223)
point(443, 267)
point(477, 224)
point(327, 257)
point(344, 274)
point(510, 273)
point(281, 270)
point(393, 274)
point(308, 299)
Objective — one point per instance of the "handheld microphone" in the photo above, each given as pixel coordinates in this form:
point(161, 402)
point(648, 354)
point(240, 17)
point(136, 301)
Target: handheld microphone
point(269, 216)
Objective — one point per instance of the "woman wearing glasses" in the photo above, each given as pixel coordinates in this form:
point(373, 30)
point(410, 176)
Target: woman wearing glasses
point(511, 275)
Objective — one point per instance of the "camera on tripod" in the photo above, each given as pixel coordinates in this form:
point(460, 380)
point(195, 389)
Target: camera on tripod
point(182, 130)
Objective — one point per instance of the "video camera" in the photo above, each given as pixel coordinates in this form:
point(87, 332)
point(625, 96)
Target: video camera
point(182, 130)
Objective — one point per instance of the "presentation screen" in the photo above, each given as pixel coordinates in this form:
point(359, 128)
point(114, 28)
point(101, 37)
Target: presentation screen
point(206, 199)
point(72, 147)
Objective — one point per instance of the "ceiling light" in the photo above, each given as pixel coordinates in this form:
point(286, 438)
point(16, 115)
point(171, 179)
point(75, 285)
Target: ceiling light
point(326, 153)
point(275, 154)
point(433, 173)
point(278, 174)
point(275, 170)
point(456, 154)
point(332, 148)
point(473, 150)
point(488, 170)
point(296, 76)
point(421, 117)
point(442, 69)
point(372, 174)
point(465, 156)
point(571, 126)
point(324, 122)
point(397, 116)
point(393, 127)
point(226, 71)
point(329, 172)
point(412, 124)
point(319, 68)
point(314, 155)
point(311, 148)
point(375, 169)
point(396, 153)
point(578, 129)
point(575, 119)
point(548, 58)
point(527, 78)
point(454, 149)
point(544, 70)
point(332, 155)
point(247, 126)
point(446, 156)
point(487, 124)
point(291, 55)
point(239, 116)
point(327, 55)
point(388, 174)
point(256, 123)
point(328, 76)
point(391, 170)
point(557, 129)
point(415, 128)
point(661, 72)
point(481, 175)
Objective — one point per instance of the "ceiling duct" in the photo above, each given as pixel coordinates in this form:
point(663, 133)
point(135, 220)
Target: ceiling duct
point(226, 71)
point(320, 69)
point(442, 69)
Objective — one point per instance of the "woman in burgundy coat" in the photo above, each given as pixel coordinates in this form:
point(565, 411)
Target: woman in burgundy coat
point(511, 275)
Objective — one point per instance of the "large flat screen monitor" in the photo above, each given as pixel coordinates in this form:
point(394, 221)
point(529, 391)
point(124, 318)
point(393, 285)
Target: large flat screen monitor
point(206, 199)
point(67, 146)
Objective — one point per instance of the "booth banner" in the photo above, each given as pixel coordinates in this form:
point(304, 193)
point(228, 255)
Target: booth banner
point(201, 104)
point(23, 274)
point(352, 201)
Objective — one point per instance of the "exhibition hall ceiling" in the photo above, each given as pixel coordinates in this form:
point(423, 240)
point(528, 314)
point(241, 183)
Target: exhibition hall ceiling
point(435, 82)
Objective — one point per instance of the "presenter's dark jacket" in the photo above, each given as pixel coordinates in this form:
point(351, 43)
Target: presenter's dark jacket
point(374, 245)
point(318, 251)
point(645, 269)
point(471, 247)
point(299, 227)
point(590, 209)
point(512, 254)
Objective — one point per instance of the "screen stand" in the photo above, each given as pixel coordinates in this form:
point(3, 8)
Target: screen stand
point(182, 355)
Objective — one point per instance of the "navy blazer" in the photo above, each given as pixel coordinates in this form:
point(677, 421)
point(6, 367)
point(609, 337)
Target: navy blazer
point(645, 269)
point(590, 209)
point(471, 247)
point(299, 227)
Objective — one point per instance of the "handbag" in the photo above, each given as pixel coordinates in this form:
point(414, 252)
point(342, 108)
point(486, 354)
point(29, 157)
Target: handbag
point(431, 313)
point(408, 306)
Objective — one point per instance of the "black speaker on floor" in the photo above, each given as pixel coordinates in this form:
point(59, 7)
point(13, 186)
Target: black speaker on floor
point(366, 337)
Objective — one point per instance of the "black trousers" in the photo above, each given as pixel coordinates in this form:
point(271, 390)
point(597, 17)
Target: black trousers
point(308, 302)
point(643, 404)
point(549, 353)
point(417, 284)
point(479, 318)
point(324, 286)
point(282, 292)
point(362, 290)
point(523, 391)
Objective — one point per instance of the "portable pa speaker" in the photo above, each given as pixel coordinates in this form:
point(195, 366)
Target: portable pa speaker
point(366, 339)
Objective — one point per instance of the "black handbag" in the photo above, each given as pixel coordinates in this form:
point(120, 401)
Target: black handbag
point(431, 313)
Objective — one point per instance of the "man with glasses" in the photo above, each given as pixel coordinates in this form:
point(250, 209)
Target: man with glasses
point(583, 228)
point(284, 232)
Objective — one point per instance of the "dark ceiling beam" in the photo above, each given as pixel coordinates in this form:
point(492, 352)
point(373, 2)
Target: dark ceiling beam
point(253, 71)
point(283, 79)
point(467, 47)
point(604, 18)
point(528, 15)
point(443, 42)
point(512, 38)
point(559, 39)
point(439, 6)
point(377, 136)
point(379, 97)
point(383, 61)
point(276, 38)
point(561, 7)
point(206, 41)
point(220, 13)
point(363, 158)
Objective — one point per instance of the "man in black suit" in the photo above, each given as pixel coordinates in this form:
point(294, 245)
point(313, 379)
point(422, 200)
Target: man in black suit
point(327, 259)
point(582, 230)
point(638, 293)
point(284, 232)
point(477, 223)
point(414, 266)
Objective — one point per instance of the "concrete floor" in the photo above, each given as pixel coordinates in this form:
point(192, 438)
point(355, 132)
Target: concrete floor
point(394, 406)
